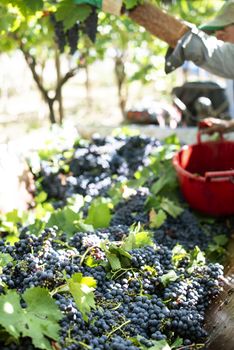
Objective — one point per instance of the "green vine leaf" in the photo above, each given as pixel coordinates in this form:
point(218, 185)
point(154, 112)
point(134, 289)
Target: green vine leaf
point(171, 208)
point(178, 254)
point(96, 3)
point(39, 320)
point(99, 213)
point(157, 219)
point(70, 13)
point(171, 276)
point(131, 3)
point(5, 258)
point(82, 290)
point(197, 258)
point(138, 240)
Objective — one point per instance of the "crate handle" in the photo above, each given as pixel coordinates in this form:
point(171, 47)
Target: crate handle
point(202, 124)
point(200, 141)
point(226, 174)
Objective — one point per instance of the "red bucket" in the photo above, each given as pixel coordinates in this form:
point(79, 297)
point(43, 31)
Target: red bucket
point(206, 175)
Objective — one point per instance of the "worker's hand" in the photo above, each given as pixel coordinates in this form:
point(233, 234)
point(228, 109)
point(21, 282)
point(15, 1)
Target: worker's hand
point(211, 125)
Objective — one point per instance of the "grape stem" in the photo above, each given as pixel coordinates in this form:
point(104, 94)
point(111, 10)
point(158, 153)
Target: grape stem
point(85, 254)
point(190, 346)
point(117, 328)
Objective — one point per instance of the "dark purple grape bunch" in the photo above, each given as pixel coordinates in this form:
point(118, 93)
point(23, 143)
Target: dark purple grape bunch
point(60, 36)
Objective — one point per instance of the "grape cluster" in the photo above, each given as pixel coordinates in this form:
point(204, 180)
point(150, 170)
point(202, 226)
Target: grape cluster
point(133, 303)
point(90, 25)
point(97, 166)
point(131, 210)
point(64, 37)
point(71, 36)
point(60, 35)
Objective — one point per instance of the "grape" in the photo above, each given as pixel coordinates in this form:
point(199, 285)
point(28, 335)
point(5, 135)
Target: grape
point(91, 25)
point(60, 36)
point(132, 301)
point(72, 35)
point(178, 308)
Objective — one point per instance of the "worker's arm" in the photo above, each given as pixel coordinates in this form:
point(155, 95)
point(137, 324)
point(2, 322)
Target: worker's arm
point(212, 125)
point(205, 51)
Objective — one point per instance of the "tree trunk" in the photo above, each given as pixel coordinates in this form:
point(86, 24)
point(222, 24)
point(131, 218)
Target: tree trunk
point(87, 85)
point(31, 62)
point(38, 79)
point(50, 103)
point(122, 88)
point(59, 96)
point(159, 23)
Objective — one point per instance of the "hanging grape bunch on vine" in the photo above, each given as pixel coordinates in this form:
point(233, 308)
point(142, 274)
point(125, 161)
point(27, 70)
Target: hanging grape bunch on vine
point(71, 35)
point(90, 25)
point(80, 17)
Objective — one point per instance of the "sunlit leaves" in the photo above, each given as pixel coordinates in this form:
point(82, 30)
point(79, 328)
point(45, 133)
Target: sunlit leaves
point(39, 320)
point(82, 290)
point(70, 13)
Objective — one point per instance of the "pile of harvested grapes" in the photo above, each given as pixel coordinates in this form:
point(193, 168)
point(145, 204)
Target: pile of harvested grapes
point(109, 257)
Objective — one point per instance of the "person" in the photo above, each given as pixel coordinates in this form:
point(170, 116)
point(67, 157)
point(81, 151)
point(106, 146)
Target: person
point(212, 53)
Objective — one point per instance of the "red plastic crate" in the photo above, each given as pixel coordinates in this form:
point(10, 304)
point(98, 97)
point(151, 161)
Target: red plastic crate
point(206, 175)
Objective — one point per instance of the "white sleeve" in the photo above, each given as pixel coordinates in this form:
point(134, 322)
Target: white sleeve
point(205, 51)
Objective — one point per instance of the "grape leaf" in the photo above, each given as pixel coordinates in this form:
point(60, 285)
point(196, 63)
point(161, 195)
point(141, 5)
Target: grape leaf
point(160, 345)
point(177, 343)
point(197, 258)
point(42, 316)
point(119, 251)
point(65, 220)
point(171, 276)
point(28, 7)
point(114, 261)
point(41, 197)
point(97, 3)
point(99, 213)
point(81, 227)
point(82, 290)
point(117, 257)
point(115, 192)
point(11, 313)
point(131, 3)
point(171, 208)
point(138, 240)
point(5, 258)
point(178, 254)
point(70, 13)
point(39, 320)
point(172, 140)
point(160, 184)
point(34, 6)
point(157, 219)
point(221, 240)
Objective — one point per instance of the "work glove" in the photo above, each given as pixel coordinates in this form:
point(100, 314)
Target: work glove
point(110, 6)
point(187, 48)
